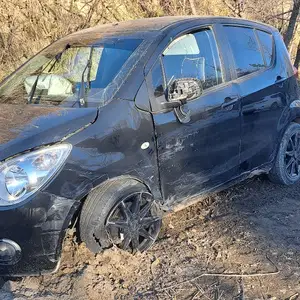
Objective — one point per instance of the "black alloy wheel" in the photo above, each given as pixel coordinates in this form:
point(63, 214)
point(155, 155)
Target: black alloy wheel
point(292, 156)
point(133, 223)
point(286, 168)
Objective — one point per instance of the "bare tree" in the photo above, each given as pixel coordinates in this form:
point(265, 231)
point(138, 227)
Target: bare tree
point(288, 36)
point(236, 7)
point(297, 59)
point(29, 25)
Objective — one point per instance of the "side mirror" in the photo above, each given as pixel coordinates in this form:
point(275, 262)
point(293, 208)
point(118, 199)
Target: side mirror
point(184, 89)
point(178, 93)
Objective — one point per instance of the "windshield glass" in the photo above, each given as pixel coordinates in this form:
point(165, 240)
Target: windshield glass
point(76, 75)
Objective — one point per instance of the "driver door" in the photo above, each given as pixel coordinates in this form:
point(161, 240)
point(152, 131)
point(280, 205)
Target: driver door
point(204, 152)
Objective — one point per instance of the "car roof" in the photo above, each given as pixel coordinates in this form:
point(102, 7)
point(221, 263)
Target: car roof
point(142, 27)
point(148, 29)
point(146, 24)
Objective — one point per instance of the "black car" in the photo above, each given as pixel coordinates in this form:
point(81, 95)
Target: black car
point(109, 128)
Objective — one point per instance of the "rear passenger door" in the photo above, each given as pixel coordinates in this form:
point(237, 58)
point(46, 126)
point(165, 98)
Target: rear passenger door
point(262, 93)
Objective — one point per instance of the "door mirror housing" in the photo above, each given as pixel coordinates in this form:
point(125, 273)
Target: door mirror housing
point(178, 93)
point(184, 89)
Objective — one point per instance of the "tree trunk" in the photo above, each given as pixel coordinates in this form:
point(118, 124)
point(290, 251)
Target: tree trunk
point(288, 36)
point(297, 59)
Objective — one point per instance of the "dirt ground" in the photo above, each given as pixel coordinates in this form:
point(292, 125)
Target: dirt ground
point(243, 243)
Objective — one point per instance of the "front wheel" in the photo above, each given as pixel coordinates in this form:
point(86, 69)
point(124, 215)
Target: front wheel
point(286, 169)
point(122, 213)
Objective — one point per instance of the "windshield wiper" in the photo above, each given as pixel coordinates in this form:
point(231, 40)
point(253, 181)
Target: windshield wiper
point(32, 91)
point(57, 58)
point(82, 97)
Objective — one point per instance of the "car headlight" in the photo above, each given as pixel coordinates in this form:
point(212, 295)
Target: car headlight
point(22, 176)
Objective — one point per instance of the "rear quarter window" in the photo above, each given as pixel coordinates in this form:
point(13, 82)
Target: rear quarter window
point(266, 43)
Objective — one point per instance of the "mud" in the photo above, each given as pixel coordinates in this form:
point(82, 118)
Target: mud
point(243, 243)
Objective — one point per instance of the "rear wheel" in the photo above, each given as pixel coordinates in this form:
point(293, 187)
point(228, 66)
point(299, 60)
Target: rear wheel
point(286, 169)
point(121, 212)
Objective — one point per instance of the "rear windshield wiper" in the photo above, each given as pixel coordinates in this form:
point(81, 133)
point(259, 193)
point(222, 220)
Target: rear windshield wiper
point(82, 98)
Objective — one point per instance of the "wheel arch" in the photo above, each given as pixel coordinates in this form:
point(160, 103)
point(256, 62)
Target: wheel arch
point(121, 177)
point(74, 221)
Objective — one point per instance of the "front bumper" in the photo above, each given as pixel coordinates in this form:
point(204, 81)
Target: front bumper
point(38, 228)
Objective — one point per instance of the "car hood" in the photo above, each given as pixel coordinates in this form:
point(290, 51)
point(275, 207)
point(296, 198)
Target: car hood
point(25, 127)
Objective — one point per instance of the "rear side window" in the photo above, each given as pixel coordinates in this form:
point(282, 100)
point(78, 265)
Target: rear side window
point(193, 55)
point(266, 43)
point(245, 48)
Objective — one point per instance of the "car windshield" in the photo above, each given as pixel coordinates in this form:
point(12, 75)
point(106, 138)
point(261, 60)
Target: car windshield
point(74, 75)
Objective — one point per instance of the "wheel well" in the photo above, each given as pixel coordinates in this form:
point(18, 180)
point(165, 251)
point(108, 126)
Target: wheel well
point(118, 178)
point(74, 222)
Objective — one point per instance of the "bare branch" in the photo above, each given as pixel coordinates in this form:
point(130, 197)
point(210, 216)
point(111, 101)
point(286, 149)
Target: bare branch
point(193, 7)
point(278, 15)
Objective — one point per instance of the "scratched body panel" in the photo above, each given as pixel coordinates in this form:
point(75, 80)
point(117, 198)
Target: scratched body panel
point(106, 149)
point(201, 154)
point(112, 147)
point(39, 227)
point(33, 126)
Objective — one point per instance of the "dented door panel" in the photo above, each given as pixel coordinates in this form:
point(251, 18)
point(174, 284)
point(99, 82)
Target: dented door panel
point(203, 153)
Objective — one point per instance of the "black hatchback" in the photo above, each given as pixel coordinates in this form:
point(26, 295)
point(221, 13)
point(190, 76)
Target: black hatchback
point(109, 128)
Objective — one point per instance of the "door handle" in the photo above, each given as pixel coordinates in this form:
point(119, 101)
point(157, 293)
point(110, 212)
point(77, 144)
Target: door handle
point(279, 79)
point(229, 102)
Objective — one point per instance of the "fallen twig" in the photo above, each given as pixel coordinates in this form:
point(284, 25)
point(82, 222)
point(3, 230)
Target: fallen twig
point(223, 275)
point(203, 293)
point(241, 295)
point(294, 297)
point(195, 295)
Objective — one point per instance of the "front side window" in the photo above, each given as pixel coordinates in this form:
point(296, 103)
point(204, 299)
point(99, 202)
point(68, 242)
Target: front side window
point(193, 55)
point(69, 74)
point(245, 49)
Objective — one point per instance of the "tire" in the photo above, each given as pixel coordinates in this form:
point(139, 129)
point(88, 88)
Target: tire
point(286, 168)
point(110, 216)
